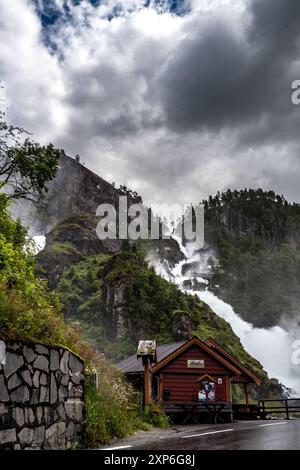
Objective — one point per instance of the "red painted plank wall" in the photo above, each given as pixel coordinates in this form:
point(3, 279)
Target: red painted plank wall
point(181, 380)
point(186, 389)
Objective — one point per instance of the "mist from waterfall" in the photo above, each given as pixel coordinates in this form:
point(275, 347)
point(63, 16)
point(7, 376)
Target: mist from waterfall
point(272, 347)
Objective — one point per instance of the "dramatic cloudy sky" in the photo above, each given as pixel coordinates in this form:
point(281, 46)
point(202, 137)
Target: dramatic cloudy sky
point(177, 99)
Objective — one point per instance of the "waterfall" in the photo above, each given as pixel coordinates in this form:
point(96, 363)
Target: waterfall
point(39, 243)
point(272, 347)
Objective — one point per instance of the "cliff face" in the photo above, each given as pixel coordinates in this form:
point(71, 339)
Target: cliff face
point(74, 189)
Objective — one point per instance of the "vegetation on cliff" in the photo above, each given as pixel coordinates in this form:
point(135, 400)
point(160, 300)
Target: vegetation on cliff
point(257, 238)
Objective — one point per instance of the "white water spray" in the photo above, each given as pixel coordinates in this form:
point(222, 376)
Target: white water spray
point(39, 243)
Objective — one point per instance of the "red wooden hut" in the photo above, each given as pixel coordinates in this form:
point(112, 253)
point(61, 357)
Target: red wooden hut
point(191, 377)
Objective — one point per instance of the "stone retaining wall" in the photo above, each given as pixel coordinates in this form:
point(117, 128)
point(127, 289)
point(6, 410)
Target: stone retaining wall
point(41, 397)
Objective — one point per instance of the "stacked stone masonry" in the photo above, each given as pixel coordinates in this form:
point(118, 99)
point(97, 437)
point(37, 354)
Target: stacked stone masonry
point(41, 397)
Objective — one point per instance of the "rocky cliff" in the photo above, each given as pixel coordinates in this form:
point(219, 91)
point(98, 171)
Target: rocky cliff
point(74, 189)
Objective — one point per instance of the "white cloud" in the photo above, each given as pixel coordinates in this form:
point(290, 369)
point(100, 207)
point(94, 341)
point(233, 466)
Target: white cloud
point(34, 79)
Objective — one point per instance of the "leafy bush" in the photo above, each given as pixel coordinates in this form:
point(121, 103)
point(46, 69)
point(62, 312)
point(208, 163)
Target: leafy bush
point(110, 411)
point(153, 414)
point(27, 309)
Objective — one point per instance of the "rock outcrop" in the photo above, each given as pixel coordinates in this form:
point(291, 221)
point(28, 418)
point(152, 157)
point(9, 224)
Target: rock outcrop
point(75, 188)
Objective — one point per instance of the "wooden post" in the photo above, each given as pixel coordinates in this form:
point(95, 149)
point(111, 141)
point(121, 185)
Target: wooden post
point(147, 381)
point(263, 410)
point(147, 351)
point(246, 390)
point(287, 409)
point(229, 396)
point(228, 389)
point(161, 387)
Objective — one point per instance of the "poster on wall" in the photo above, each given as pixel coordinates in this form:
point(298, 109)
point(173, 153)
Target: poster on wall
point(207, 391)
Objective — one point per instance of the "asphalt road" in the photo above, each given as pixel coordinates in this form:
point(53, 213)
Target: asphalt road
point(242, 435)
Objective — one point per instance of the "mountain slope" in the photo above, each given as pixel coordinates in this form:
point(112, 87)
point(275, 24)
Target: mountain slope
point(118, 299)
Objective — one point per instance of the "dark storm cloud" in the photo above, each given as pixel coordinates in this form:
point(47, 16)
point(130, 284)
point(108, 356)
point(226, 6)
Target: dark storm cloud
point(219, 79)
point(111, 105)
point(276, 25)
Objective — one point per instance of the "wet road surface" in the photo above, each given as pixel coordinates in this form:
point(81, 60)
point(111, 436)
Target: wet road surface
point(242, 435)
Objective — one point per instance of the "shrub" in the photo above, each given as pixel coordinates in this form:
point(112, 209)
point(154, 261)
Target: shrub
point(153, 414)
point(111, 411)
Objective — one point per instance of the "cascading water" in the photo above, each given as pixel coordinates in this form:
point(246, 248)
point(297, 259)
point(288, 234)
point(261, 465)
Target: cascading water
point(39, 243)
point(272, 347)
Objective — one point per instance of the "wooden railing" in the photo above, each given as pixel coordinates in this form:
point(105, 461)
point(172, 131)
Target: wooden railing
point(287, 406)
